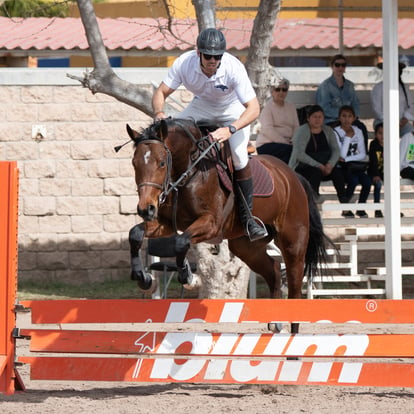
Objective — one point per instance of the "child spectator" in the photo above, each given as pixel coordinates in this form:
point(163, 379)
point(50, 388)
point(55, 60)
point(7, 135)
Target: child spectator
point(376, 164)
point(407, 156)
point(353, 158)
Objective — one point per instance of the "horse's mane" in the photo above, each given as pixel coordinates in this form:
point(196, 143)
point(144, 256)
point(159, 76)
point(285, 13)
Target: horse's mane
point(151, 131)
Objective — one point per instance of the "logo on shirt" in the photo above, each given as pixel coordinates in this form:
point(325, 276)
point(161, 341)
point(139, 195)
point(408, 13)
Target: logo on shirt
point(410, 153)
point(222, 87)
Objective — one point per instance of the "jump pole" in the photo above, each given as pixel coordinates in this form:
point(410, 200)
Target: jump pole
point(9, 378)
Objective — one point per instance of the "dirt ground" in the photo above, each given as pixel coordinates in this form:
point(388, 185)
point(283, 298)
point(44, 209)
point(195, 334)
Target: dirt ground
point(43, 397)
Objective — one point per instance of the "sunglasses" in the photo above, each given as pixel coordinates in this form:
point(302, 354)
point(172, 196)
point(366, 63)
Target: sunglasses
point(338, 65)
point(280, 89)
point(215, 57)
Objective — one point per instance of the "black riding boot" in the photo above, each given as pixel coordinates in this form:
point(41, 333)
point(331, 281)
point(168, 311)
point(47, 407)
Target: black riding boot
point(244, 194)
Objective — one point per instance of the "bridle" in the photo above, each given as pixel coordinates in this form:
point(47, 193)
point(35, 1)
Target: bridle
point(168, 186)
point(167, 179)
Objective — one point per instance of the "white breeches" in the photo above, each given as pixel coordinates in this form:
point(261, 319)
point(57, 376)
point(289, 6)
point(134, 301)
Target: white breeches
point(222, 116)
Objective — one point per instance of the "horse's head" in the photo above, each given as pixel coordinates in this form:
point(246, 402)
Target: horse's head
point(152, 164)
point(164, 152)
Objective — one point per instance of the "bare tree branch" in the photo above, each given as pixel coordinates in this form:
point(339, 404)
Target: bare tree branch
point(102, 79)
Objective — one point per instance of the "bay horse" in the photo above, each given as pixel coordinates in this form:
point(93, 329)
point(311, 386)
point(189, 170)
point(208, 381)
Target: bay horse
point(179, 189)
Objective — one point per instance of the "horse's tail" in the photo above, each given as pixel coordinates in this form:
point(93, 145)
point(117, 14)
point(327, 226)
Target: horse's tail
point(316, 253)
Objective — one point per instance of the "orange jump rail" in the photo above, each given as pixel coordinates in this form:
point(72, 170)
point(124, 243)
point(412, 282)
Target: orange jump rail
point(9, 379)
point(93, 353)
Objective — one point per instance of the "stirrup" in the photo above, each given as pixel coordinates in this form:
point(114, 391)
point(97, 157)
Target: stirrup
point(259, 225)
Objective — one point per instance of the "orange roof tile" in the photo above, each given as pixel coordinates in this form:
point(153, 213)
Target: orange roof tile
point(151, 36)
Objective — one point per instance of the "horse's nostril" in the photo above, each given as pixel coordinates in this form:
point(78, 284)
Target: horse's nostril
point(149, 213)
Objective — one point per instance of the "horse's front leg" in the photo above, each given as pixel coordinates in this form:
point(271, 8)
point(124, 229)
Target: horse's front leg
point(138, 273)
point(204, 228)
point(182, 245)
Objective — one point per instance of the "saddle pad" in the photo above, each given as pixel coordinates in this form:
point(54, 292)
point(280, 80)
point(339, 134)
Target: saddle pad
point(262, 181)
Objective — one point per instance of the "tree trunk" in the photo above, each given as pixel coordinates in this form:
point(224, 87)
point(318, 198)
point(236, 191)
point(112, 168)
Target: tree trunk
point(257, 63)
point(223, 275)
point(205, 12)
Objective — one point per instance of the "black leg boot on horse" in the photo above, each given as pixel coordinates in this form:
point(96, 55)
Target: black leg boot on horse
point(254, 228)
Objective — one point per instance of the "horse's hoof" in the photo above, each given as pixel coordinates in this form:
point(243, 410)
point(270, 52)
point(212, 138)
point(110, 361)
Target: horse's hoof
point(195, 283)
point(147, 282)
point(185, 276)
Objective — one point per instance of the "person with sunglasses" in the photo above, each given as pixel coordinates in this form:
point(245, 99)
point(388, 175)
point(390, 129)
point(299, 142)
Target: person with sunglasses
point(278, 122)
point(223, 95)
point(336, 91)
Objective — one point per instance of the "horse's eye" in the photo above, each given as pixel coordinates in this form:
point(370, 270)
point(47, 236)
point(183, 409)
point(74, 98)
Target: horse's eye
point(162, 163)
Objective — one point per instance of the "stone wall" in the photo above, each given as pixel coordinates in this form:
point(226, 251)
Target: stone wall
point(77, 196)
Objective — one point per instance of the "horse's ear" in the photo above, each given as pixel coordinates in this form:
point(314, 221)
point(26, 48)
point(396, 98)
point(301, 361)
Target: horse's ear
point(163, 130)
point(131, 132)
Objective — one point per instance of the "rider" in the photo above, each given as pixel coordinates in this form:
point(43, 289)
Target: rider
point(222, 93)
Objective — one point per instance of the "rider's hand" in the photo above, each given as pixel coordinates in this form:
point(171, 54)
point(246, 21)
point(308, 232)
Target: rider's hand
point(159, 115)
point(221, 134)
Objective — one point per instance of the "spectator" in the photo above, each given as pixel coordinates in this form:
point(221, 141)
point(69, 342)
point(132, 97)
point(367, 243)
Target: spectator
point(353, 158)
point(315, 152)
point(278, 123)
point(406, 107)
point(376, 164)
point(407, 156)
point(337, 91)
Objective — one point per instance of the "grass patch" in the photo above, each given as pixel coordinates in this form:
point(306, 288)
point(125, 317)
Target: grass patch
point(113, 289)
point(119, 289)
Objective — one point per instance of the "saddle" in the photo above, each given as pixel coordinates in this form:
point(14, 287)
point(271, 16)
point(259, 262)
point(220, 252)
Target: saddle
point(263, 185)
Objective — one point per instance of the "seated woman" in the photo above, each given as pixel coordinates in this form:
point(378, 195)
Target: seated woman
point(279, 121)
point(315, 152)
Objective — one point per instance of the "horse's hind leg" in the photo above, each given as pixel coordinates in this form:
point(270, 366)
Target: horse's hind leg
point(254, 254)
point(294, 253)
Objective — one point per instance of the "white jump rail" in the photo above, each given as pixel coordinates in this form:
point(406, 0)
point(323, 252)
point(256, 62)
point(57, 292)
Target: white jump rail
point(317, 287)
point(350, 248)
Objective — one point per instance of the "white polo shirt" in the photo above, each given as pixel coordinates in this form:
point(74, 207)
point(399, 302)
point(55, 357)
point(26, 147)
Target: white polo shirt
point(229, 84)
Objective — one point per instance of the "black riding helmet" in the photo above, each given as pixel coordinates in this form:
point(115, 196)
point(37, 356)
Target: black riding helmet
point(211, 42)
